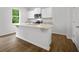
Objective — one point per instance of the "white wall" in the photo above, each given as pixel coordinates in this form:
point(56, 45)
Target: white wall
point(6, 26)
point(75, 22)
point(23, 15)
point(69, 23)
point(62, 21)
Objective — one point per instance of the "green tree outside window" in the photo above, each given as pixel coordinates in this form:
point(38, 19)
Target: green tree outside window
point(15, 16)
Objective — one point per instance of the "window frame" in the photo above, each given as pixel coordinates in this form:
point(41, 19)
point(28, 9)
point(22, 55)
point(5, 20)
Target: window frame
point(16, 16)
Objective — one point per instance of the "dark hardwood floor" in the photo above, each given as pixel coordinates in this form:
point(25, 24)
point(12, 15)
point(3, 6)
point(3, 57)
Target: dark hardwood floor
point(59, 43)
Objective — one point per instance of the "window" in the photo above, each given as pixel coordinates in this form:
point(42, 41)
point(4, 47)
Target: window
point(15, 16)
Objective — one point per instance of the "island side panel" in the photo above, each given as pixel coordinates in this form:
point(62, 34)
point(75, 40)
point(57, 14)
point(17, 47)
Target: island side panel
point(37, 36)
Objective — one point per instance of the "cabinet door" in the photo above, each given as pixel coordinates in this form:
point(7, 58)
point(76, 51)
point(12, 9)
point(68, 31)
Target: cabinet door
point(31, 14)
point(49, 12)
point(46, 12)
point(34, 11)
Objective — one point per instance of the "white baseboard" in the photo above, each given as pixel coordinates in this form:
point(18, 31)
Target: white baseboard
point(7, 34)
point(69, 37)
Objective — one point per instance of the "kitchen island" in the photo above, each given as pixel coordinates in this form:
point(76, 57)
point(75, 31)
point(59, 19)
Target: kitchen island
point(37, 34)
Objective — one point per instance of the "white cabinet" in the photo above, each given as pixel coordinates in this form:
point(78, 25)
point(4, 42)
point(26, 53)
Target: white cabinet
point(31, 14)
point(34, 11)
point(46, 12)
point(37, 10)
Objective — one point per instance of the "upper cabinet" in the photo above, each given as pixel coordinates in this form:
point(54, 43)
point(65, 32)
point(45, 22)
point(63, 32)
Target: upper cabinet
point(45, 12)
point(31, 13)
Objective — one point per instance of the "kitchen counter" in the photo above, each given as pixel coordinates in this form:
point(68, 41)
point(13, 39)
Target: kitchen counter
point(44, 26)
point(37, 34)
